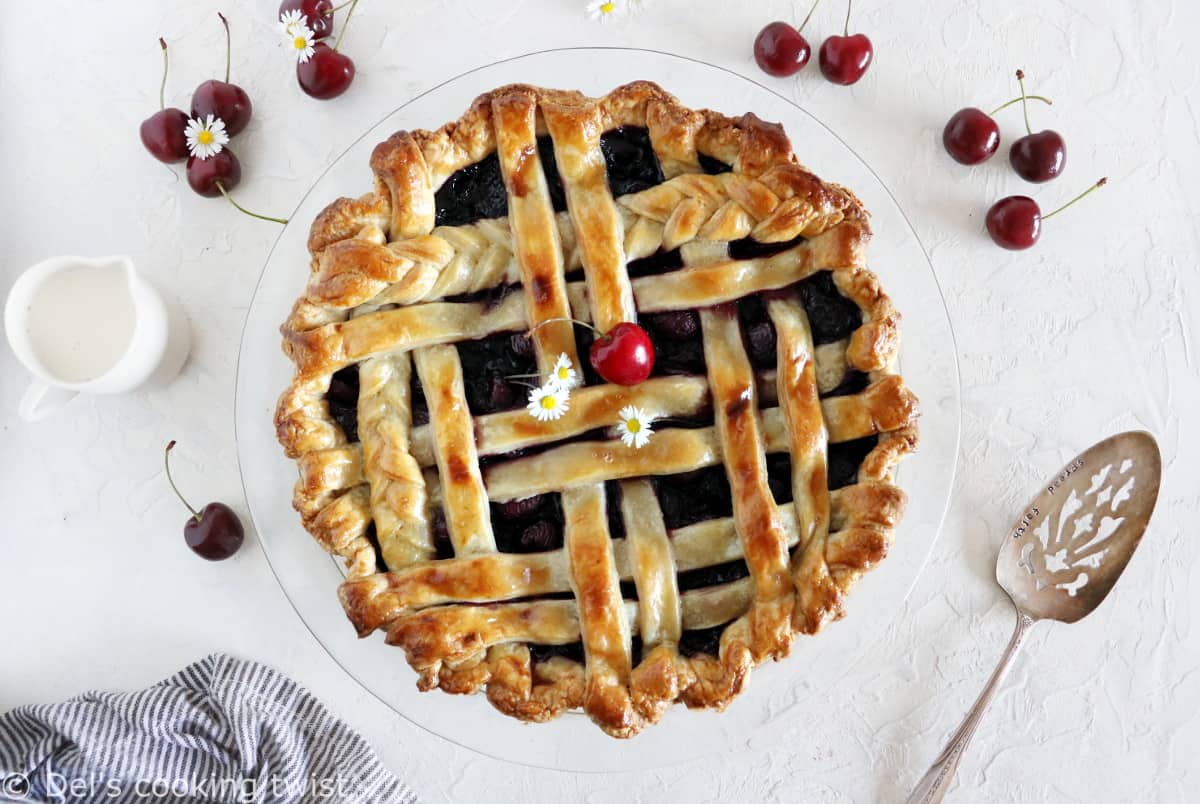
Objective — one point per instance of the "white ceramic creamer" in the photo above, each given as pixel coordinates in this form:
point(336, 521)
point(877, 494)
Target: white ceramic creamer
point(91, 326)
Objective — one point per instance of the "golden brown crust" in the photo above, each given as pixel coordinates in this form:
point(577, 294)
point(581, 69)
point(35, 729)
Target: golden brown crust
point(379, 277)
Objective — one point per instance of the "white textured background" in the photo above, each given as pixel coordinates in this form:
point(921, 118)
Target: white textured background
point(1085, 335)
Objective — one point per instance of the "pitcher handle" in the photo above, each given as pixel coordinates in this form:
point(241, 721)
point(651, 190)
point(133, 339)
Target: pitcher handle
point(42, 399)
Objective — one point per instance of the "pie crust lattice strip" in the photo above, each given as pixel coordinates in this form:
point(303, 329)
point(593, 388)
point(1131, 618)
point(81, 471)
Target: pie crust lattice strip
point(653, 575)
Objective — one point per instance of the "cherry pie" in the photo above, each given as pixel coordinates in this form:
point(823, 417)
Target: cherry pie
point(548, 562)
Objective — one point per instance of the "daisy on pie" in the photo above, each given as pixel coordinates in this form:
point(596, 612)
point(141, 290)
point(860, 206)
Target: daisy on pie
point(548, 402)
point(206, 137)
point(563, 375)
point(634, 426)
point(301, 42)
point(290, 22)
point(603, 10)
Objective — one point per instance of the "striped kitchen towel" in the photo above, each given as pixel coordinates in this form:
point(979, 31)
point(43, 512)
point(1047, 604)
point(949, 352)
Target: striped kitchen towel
point(222, 730)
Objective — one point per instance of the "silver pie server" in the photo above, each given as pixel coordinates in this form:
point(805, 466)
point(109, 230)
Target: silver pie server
point(1061, 559)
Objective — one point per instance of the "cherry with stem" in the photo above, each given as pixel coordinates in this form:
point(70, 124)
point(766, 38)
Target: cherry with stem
point(328, 72)
point(162, 133)
point(221, 98)
point(1036, 157)
point(972, 136)
point(1015, 222)
point(214, 532)
point(624, 355)
point(781, 50)
point(844, 59)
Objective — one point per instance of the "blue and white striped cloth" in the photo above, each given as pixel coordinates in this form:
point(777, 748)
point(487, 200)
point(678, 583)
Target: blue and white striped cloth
point(222, 730)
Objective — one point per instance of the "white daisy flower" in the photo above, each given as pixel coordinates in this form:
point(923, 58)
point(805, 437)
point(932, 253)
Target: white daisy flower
point(634, 426)
point(301, 43)
point(206, 137)
point(604, 10)
point(290, 22)
point(563, 375)
point(548, 402)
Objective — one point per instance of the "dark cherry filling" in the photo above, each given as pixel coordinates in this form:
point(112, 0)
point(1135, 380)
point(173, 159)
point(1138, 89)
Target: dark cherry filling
point(544, 653)
point(853, 381)
point(477, 191)
point(702, 640)
point(490, 366)
point(612, 499)
point(712, 166)
point(532, 525)
point(558, 196)
point(420, 406)
point(846, 458)
point(631, 161)
point(372, 536)
point(660, 262)
point(758, 332)
point(441, 536)
point(472, 193)
point(583, 347)
point(830, 314)
point(693, 496)
point(489, 296)
point(779, 477)
point(713, 576)
point(342, 398)
point(748, 249)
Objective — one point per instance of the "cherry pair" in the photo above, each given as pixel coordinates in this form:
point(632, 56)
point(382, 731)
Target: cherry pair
point(326, 72)
point(972, 136)
point(782, 50)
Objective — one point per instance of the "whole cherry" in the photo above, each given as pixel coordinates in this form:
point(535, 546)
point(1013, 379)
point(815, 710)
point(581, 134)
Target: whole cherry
point(624, 355)
point(214, 532)
point(1015, 222)
point(318, 15)
point(1037, 157)
point(844, 59)
point(162, 132)
point(328, 72)
point(216, 175)
point(971, 136)
point(781, 50)
point(221, 98)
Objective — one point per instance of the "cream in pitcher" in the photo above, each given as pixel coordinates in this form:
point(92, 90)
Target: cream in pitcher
point(91, 326)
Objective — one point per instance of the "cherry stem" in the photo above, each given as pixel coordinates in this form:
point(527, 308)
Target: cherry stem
point(345, 24)
point(167, 466)
point(809, 15)
point(1024, 104)
point(846, 29)
point(336, 9)
point(241, 208)
point(162, 86)
point(541, 324)
point(1004, 106)
point(228, 46)
point(1091, 189)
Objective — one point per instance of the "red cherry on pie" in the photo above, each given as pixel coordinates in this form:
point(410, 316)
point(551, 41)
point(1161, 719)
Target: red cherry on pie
point(316, 14)
point(326, 74)
point(214, 532)
point(222, 99)
point(624, 355)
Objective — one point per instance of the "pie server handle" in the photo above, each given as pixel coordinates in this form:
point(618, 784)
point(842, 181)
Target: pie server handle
point(937, 780)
